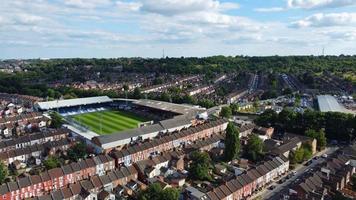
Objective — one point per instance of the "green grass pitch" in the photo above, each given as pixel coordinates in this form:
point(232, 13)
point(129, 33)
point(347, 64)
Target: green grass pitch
point(112, 121)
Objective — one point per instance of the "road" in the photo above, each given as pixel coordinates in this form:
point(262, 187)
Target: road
point(300, 170)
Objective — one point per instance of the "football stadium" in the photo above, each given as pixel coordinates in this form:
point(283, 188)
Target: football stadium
point(109, 121)
point(113, 123)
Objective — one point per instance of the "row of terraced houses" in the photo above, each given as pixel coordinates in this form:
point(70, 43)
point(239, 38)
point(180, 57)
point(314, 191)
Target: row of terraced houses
point(55, 179)
point(245, 184)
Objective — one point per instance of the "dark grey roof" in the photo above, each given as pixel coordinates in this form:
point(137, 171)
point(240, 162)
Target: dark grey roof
point(57, 195)
point(175, 122)
point(105, 179)
point(3, 189)
point(67, 169)
point(13, 186)
point(166, 106)
point(105, 139)
point(24, 182)
point(45, 197)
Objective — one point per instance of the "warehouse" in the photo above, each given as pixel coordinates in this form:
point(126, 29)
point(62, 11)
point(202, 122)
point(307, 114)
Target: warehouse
point(328, 103)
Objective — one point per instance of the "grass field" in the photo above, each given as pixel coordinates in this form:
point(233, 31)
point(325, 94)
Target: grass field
point(112, 121)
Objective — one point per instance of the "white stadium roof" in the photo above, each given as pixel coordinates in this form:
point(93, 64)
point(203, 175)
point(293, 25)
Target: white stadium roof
point(328, 103)
point(72, 102)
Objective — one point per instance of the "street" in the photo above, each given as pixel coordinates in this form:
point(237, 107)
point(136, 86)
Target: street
point(300, 171)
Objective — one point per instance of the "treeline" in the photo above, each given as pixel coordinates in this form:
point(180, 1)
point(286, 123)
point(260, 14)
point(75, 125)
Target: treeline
point(38, 74)
point(337, 126)
point(57, 69)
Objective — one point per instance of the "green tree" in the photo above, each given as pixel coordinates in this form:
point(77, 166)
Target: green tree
point(232, 143)
point(287, 91)
point(254, 148)
point(318, 135)
point(155, 191)
point(353, 181)
point(200, 167)
point(51, 162)
point(3, 172)
point(267, 118)
point(170, 194)
point(152, 192)
point(288, 118)
point(56, 120)
point(296, 156)
point(137, 93)
point(125, 87)
point(307, 154)
point(78, 151)
point(226, 112)
point(339, 196)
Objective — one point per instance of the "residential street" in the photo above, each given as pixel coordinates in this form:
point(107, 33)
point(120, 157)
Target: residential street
point(282, 188)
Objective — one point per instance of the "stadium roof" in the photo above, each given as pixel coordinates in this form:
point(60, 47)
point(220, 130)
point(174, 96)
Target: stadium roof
point(72, 102)
point(328, 103)
point(171, 107)
point(111, 140)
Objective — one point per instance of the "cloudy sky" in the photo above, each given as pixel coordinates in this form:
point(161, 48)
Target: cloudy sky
point(120, 28)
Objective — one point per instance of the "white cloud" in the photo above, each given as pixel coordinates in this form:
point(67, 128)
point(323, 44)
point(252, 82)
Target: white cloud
point(272, 9)
point(128, 6)
point(87, 4)
point(327, 20)
point(344, 35)
point(312, 4)
point(175, 7)
point(28, 19)
point(309, 4)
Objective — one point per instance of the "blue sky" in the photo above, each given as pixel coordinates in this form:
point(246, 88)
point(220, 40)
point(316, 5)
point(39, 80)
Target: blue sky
point(130, 28)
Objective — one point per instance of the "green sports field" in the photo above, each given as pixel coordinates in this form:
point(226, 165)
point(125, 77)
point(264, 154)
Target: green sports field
point(111, 121)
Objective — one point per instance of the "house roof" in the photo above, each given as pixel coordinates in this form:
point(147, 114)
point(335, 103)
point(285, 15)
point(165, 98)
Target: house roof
point(4, 189)
point(55, 173)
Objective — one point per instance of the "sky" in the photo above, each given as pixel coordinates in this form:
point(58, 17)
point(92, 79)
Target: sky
point(149, 28)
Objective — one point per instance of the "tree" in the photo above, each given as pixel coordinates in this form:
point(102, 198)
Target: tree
point(56, 120)
point(267, 118)
point(353, 181)
point(339, 196)
point(232, 143)
point(170, 194)
point(254, 147)
point(296, 156)
point(152, 192)
point(287, 117)
point(51, 162)
point(137, 93)
point(125, 87)
point(226, 112)
point(200, 166)
point(318, 135)
point(287, 91)
point(302, 154)
point(3, 172)
point(155, 192)
point(78, 151)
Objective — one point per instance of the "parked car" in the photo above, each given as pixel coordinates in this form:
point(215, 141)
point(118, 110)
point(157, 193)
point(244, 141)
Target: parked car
point(272, 187)
point(308, 163)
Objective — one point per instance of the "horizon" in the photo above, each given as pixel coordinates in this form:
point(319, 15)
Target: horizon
point(132, 57)
point(31, 29)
